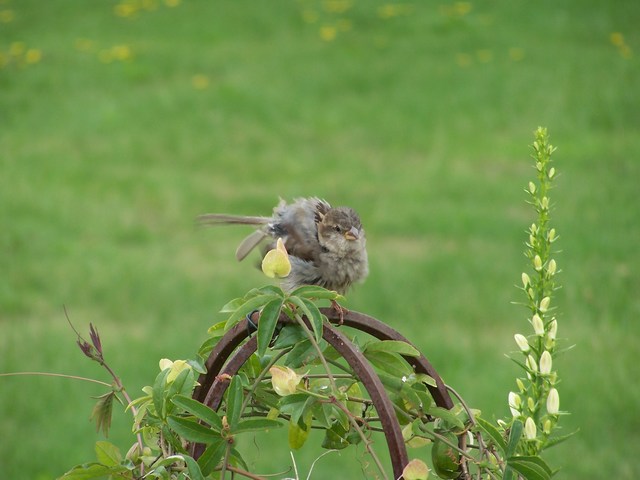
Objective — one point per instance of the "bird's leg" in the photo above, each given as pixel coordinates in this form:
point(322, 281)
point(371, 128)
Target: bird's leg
point(340, 310)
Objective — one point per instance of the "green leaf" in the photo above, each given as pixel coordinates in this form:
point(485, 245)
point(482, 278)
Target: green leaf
point(514, 437)
point(192, 466)
point(447, 416)
point(530, 467)
point(289, 336)
point(183, 384)
point(493, 432)
point(202, 412)
point(267, 324)
point(302, 354)
point(559, 439)
point(388, 362)
point(313, 291)
point(192, 430)
point(297, 435)
point(253, 424)
point(158, 393)
point(312, 313)
point(90, 471)
point(232, 306)
point(234, 401)
point(211, 457)
point(335, 438)
point(294, 405)
point(392, 346)
point(254, 303)
point(107, 453)
point(217, 330)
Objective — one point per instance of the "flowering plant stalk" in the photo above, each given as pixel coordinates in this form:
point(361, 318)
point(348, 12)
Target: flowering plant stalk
point(536, 404)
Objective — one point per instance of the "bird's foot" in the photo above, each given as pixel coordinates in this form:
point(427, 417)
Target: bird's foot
point(340, 310)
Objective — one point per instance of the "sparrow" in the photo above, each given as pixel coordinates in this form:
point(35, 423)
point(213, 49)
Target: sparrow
point(326, 245)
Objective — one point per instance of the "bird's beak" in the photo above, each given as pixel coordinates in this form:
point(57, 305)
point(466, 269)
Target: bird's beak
point(352, 234)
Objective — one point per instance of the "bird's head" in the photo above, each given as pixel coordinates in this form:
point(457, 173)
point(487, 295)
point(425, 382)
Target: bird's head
point(340, 230)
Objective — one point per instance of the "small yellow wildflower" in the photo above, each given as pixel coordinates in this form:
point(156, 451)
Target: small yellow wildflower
point(200, 82)
point(328, 33)
point(172, 3)
point(484, 56)
point(32, 56)
point(516, 54)
point(463, 59)
point(7, 16)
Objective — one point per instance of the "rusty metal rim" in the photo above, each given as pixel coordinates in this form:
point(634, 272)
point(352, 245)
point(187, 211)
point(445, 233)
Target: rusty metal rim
point(214, 383)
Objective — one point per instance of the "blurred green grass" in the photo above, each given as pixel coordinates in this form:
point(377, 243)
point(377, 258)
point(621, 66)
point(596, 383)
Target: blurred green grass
point(116, 131)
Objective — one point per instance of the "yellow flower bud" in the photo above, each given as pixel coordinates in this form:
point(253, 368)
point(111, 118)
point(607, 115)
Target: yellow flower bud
point(531, 405)
point(532, 188)
point(415, 470)
point(521, 386)
point(544, 203)
point(284, 380)
point(552, 172)
point(553, 402)
point(175, 368)
point(547, 426)
point(276, 262)
point(530, 429)
point(526, 281)
point(551, 236)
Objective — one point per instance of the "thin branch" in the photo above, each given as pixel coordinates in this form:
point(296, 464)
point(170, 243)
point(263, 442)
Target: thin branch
point(62, 375)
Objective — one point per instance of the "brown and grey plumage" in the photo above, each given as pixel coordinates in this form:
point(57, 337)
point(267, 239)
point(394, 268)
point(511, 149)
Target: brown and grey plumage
point(326, 245)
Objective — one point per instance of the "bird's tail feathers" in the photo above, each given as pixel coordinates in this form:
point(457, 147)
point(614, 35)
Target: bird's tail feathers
point(224, 219)
point(249, 243)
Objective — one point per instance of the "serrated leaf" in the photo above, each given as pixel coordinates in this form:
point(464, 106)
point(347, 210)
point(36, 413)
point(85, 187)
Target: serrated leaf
point(514, 437)
point(192, 430)
point(254, 303)
point(234, 401)
point(312, 313)
point(254, 424)
point(313, 291)
point(267, 324)
point(493, 432)
point(392, 346)
point(211, 457)
point(107, 453)
point(200, 411)
point(102, 411)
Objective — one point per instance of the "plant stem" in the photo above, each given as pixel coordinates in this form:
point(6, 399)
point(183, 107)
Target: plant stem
point(323, 360)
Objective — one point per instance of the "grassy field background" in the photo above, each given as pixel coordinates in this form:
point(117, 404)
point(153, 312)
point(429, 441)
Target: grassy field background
point(122, 121)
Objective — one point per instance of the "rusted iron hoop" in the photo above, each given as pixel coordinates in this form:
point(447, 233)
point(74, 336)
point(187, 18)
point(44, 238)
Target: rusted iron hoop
point(214, 382)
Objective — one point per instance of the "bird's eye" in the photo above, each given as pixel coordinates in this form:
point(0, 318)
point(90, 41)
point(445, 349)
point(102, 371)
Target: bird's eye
point(337, 228)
